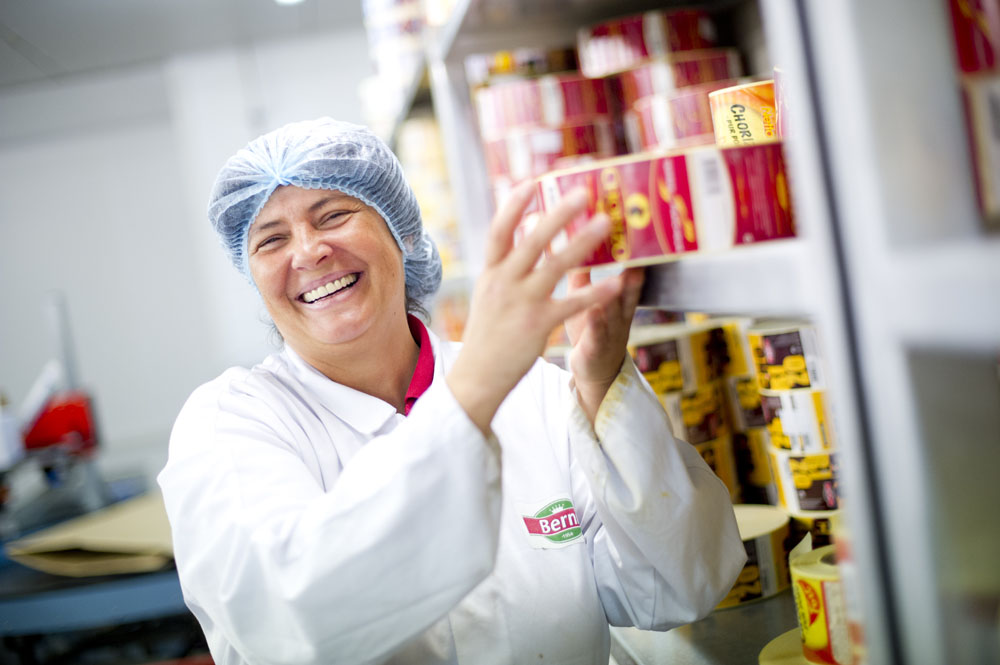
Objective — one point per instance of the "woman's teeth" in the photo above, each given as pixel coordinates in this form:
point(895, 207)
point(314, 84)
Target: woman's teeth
point(332, 287)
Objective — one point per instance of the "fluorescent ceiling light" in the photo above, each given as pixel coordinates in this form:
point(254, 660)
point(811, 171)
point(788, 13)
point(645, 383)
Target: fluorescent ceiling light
point(288, 2)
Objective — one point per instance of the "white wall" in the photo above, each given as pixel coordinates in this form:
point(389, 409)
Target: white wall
point(104, 182)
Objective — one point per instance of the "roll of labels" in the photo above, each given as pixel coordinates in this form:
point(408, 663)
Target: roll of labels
point(764, 530)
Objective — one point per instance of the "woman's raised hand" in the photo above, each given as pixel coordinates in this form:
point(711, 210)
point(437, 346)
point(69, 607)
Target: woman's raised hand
point(512, 310)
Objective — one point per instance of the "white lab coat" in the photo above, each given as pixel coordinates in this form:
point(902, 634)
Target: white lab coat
point(312, 523)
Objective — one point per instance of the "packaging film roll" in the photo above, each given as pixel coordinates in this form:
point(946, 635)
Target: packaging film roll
point(620, 43)
point(744, 398)
point(820, 603)
point(699, 415)
point(763, 530)
point(666, 204)
point(744, 114)
point(680, 356)
point(786, 354)
point(819, 524)
point(785, 649)
point(663, 354)
point(805, 482)
point(798, 420)
point(718, 454)
point(757, 446)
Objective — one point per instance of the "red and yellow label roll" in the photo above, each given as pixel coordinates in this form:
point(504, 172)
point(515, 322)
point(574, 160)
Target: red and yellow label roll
point(744, 114)
point(819, 599)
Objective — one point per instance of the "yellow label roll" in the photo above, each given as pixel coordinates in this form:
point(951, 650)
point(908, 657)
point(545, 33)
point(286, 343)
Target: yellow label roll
point(786, 354)
point(785, 649)
point(718, 454)
point(698, 415)
point(818, 524)
point(760, 472)
point(805, 482)
point(763, 530)
point(798, 420)
point(744, 114)
point(744, 400)
point(819, 600)
point(679, 356)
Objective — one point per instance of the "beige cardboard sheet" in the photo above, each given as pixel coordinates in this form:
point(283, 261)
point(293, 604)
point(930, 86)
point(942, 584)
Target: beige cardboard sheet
point(131, 536)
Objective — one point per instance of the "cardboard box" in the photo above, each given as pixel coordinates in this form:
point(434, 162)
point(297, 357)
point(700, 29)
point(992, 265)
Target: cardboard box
point(664, 205)
point(131, 536)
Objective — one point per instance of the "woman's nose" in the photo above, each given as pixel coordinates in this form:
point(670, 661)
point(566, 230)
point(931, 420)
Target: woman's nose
point(309, 249)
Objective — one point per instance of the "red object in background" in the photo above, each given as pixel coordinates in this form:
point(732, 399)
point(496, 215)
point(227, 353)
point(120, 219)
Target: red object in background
point(190, 660)
point(66, 420)
point(976, 27)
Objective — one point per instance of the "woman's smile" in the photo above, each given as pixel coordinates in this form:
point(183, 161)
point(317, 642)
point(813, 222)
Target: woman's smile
point(326, 291)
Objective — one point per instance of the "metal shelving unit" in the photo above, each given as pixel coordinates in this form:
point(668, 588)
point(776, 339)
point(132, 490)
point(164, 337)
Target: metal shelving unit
point(892, 263)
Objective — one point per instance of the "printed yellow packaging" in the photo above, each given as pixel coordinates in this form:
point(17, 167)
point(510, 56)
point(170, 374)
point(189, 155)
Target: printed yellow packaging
point(744, 114)
point(679, 356)
point(718, 454)
point(820, 603)
point(763, 530)
point(797, 420)
point(698, 415)
point(786, 355)
point(744, 399)
point(817, 523)
point(805, 483)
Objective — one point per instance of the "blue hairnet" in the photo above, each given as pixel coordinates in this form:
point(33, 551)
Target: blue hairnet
point(324, 154)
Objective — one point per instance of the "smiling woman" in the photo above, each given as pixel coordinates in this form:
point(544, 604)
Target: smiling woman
point(343, 501)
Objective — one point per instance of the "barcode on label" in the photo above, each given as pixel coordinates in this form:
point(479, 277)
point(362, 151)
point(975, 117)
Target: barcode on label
point(711, 177)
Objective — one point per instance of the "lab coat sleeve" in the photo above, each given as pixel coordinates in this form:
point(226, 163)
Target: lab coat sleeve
point(292, 574)
point(660, 524)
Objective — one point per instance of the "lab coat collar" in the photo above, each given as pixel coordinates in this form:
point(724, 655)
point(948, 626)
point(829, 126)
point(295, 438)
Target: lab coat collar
point(361, 411)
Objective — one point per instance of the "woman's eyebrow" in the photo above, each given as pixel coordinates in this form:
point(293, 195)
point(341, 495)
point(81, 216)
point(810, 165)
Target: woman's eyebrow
point(260, 228)
point(334, 196)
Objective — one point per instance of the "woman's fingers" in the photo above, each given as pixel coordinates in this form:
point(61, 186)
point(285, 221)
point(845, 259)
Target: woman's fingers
point(529, 250)
point(501, 236)
point(580, 246)
point(587, 296)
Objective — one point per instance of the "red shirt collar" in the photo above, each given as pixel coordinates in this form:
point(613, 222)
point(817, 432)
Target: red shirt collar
point(424, 372)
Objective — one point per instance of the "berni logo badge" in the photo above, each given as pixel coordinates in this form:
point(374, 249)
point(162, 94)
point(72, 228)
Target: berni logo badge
point(555, 525)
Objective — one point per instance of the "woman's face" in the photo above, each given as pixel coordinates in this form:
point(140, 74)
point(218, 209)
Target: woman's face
point(326, 266)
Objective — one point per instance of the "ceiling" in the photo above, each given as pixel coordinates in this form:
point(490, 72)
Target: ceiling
point(44, 40)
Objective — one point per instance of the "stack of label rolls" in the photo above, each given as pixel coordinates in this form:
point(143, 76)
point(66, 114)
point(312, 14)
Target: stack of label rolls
point(688, 365)
point(801, 443)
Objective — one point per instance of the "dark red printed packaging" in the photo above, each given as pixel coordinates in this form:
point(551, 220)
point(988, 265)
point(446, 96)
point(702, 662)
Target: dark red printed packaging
point(523, 154)
point(621, 43)
point(548, 101)
point(976, 29)
point(681, 119)
point(669, 74)
point(664, 205)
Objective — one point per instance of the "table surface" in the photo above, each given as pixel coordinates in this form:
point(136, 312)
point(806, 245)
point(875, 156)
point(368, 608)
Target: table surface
point(34, 603)
point(733, 636)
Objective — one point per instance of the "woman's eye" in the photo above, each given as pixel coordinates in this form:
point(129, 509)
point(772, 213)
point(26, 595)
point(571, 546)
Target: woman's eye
point(335, 217)
point(270, 240)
